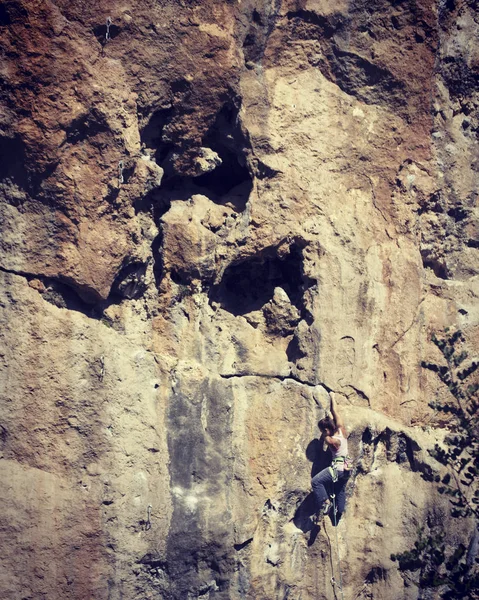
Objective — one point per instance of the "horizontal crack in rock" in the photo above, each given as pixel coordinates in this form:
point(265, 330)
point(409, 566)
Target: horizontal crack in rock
point(271, 376)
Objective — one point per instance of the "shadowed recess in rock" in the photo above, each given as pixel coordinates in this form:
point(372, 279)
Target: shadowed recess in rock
point(249, 284)
point(152, 134)
point(21, 178)
point(437, 266)
point(227, 138)
point(130, 282)
point(12, 164)
point(261, 25)
point(399, 448)
point(100, 32)
point(11, 12)
point(344, 61)
point(86, 126)
point(460, 78)
point(229, 182)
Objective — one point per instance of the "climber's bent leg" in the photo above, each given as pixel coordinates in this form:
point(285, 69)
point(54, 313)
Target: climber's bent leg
point(320, 483)
point(340, 491)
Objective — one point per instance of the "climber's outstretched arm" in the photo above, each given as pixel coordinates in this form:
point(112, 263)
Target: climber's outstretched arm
point(336, 416)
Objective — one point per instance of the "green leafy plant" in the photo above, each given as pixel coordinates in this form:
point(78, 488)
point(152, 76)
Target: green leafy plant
point(432, 563)
point(183, 292)
point(460, 452)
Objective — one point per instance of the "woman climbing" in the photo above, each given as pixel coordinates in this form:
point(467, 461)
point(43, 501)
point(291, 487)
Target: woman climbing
point(333, 479)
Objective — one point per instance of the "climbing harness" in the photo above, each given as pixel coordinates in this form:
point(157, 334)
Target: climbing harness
point(334, 472)
point(347, 466)
point(347, 462)
point(333, 581)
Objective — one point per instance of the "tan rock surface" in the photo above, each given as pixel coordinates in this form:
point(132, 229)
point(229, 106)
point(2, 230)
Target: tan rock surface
point(212, 215)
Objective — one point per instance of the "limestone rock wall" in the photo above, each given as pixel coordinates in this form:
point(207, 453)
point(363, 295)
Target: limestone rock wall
point(214, 213)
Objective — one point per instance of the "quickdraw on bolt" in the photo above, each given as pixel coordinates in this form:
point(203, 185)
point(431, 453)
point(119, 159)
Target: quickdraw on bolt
point(120, 172)
point(108, 25)
point(148, 518)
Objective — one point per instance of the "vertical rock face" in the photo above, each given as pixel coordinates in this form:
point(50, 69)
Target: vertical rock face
point(213, 214)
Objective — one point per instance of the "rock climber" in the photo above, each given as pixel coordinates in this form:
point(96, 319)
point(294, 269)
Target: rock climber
point(333, 479)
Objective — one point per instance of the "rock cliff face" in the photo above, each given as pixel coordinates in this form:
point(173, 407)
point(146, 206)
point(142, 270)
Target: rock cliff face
point(213, 214)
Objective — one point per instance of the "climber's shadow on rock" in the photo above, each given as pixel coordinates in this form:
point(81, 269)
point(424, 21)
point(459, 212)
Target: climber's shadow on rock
point(302, 519)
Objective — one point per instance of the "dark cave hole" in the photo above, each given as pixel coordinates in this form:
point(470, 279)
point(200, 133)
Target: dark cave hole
point(231, 181)
point(419, 37)
point(156, 248)
point(12, 165)
point(367, 436)
point(257, 18)
point(180, 86)
point(231, 174)
point(449, 5)
point(251, 48)
point(438, 268)
point(4, 16)
point(178, 279)
point(222, 186)
point(248, 285)
point(458, 213)
point(100, 32)
point(12, 12)
point(294, 351)
point(129, 283)
point(152, 134)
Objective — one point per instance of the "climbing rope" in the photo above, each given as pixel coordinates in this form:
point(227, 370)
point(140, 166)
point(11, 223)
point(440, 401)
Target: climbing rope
point(333, 581)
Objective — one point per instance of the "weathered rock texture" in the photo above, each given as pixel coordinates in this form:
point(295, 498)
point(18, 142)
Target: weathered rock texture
point(213, 213)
